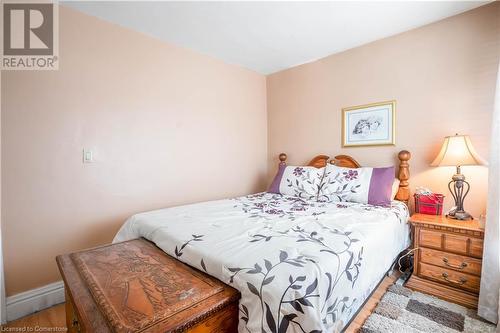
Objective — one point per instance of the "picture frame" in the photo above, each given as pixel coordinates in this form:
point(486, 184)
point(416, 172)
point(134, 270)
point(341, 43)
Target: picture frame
point(369, 125)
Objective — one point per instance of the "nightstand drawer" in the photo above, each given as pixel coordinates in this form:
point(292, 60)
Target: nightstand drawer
point(451, 261)
point(450, 277)
point(451, 242)
point(430, 239)
point(476, 248)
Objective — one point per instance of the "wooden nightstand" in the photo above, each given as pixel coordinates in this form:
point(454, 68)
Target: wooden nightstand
point(448, 259)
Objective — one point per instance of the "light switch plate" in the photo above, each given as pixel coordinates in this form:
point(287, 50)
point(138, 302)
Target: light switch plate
point(88, 156)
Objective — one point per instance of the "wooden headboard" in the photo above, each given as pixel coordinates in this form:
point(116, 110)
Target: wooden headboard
point(347, 161)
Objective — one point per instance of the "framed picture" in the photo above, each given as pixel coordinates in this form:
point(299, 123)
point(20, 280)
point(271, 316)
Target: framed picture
point(369, 125)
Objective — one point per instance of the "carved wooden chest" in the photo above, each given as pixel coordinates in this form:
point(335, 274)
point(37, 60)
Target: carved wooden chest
point(135, 287)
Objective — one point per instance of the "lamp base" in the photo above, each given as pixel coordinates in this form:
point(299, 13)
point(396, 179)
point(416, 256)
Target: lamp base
point(459, 215)
point(459, 192)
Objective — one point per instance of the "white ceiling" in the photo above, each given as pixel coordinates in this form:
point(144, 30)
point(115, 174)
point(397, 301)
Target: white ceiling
point(271, 36)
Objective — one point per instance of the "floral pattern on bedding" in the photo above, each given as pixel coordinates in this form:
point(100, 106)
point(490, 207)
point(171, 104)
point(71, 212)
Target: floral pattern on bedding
point(297, 263)
point(344, 184)
point(302, 182)
point(268, 205)
point(304, 292)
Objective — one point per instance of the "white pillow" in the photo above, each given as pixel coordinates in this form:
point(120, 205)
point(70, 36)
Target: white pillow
point(395, 188)
point(364, 185)
point(299, 181)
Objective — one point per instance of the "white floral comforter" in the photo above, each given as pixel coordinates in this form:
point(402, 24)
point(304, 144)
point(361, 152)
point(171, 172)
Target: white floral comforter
point(301, 266)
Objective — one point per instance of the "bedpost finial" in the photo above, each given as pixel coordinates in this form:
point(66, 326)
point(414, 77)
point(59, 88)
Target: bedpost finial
point(403, 176)
point(404, 155)
point(282, 157)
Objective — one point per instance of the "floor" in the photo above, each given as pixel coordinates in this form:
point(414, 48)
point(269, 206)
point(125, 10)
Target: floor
point(372, 302)
point(54, 317)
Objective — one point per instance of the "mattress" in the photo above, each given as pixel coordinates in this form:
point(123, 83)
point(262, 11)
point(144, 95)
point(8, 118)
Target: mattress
point(301, 266)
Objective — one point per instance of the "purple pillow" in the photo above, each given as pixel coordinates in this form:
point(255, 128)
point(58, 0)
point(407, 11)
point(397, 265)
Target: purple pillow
point(380, 191)
point(275, 185)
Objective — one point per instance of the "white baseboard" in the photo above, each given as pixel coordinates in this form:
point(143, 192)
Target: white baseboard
point(34, 300)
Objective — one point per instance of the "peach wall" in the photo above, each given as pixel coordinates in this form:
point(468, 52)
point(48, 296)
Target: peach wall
point(442, 76)
point(166, 125)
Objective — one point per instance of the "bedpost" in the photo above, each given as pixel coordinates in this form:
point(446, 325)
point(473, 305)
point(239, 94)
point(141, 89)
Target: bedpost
point(403, 176)
point(282, 158)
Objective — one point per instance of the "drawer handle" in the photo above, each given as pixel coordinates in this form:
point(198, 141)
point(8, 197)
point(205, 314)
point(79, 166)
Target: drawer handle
point(461, 282)
point(462, 265)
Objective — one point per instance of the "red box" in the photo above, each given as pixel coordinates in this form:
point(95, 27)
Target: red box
point(431, 204)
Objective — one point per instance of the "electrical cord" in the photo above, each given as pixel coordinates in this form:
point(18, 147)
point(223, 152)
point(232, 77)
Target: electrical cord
point(405, 255)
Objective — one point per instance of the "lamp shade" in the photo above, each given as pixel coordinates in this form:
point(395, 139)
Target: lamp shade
point(457, 150)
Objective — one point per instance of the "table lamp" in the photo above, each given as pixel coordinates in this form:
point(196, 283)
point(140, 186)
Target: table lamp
point(457, 151)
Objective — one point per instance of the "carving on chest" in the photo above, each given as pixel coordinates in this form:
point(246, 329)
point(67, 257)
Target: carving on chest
point(133, 284)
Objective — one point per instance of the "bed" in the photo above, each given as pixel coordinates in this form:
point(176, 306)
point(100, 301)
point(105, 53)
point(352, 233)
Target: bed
point(300, 265)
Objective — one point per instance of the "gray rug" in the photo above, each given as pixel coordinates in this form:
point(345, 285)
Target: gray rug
point(402, 310)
